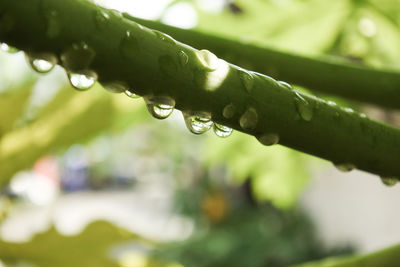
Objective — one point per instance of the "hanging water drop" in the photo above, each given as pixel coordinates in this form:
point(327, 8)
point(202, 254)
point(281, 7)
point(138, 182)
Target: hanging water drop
point(229, 111)
point(42, 62)
point(268, 139)
point(304, 108)
point(345, 167)
point(160, 107)
point(249, 119)
point(208, 60)
point(389, 181)
point(183, 58)
point(164, 37)
point(7, 48)
point(83, 80)
point(221, 130)
point(129, 46)
point(131, 95)
point(247, 80)
point(101, 18)
point(285, 85)
point(198, 123)
point(77, 57)
point(115, 87)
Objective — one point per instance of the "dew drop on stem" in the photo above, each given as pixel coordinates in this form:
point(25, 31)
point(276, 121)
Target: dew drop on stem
point(268, 139)
point(389, 181)
point(345, 167)
point(42, 62)
point(131, 94)
point(249, 119)
point(115, 87)
point(198, 123)
point(77, 57)
point(101, 18)
point(183, 58)
point(247, 80)
point(7, 48)
point(229, 111)
point(164, 37)
point(221, 130)
point(160, 107)
point(285, 85)
point(82, 80)
point(129, 46)
point(208, 60)
point(304, 108)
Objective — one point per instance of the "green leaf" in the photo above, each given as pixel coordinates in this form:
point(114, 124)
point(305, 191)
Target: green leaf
point(89, 248)
point(384, 258)
point(12, 106)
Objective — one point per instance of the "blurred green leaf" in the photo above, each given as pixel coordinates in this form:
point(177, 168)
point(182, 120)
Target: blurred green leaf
point(89, 248)
point(12, 106)
point(279, 174)
point(69, 118)
point(388, 257)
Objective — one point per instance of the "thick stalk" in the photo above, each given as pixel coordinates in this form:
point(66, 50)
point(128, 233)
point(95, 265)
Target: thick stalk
point(153, 64)
point(325, 74)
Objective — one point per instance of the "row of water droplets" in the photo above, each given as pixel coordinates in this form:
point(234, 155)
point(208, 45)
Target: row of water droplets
point(161, 107)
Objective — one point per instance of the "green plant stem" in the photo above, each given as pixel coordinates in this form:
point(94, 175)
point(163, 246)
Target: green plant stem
point(325, 74)
point(152, 65)
point(385, 258)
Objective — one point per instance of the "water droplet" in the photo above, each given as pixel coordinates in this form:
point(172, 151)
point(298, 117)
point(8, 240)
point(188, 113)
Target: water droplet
point(129, 46)
point(198, 123)
point(208, 60)
point(7, 48)
point(53, 26)
point(247, 80)
point(331, 103)
point(345, 167)
point(249, 120)
point(77, 57)
point(83, 80)
point(167, 65)
point(116, 87)
point(183, 58)
point(304, 108)
point(389, 181)
point(268, 139)
point(229, 111)
point(348, 110)
point(285, 85)
point(221, 130)
point(131, 94)
point(42, 62)
point(101, 18)
point(160, 107)
point(164, 37)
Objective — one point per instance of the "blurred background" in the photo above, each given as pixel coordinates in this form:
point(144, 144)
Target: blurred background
point(96, 181)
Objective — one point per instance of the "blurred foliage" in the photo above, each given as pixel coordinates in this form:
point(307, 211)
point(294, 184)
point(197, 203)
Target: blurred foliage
point(278, 173)
point(89, 248)
point(232, 230)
